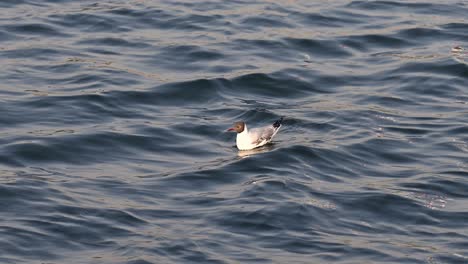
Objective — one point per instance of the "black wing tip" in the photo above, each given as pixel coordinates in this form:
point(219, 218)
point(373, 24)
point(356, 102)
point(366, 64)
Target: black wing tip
point(278, 123)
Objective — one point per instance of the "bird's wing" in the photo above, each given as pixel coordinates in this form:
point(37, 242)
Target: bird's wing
point(260, 135)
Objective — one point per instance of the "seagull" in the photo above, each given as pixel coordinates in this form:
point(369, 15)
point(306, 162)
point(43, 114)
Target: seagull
point(457, 49)
point(255, 137)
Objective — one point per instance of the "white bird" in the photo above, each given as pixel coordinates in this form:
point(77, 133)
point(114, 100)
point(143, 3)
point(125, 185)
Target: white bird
point(255, 137)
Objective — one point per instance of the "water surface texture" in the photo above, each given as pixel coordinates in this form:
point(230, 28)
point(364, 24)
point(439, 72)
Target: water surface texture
point(113, 146)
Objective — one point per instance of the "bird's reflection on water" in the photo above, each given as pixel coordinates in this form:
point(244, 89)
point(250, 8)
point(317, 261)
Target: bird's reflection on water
point(247, 153)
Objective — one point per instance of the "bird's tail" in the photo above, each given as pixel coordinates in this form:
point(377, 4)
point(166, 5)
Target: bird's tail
point(278, 123)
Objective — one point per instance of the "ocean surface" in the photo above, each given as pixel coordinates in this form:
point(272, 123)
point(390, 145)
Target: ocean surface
point(113, 142)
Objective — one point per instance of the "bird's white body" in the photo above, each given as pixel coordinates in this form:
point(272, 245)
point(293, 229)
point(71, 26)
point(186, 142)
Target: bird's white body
point(256, 137)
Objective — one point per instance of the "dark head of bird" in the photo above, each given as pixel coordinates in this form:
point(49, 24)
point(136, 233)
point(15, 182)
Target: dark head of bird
point(238, 127)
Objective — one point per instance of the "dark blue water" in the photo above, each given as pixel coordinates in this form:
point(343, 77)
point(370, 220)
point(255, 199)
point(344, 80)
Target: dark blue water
point(113, 146)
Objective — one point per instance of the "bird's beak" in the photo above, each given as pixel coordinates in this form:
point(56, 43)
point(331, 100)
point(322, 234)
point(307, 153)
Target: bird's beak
point(231, 129)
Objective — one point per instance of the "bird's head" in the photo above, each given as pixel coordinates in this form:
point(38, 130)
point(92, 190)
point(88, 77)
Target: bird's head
point(237, 127)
